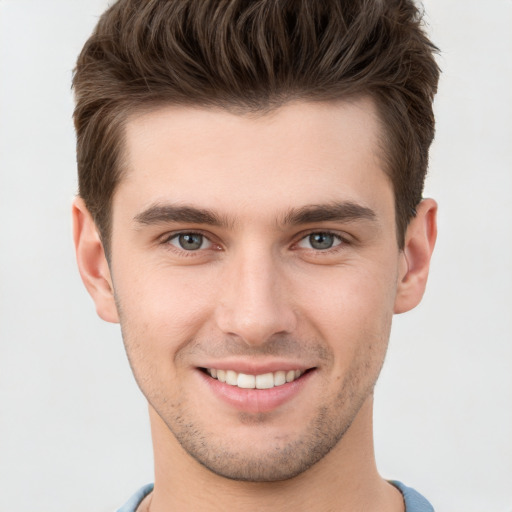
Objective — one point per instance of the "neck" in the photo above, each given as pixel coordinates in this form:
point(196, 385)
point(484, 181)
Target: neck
point(345, 479)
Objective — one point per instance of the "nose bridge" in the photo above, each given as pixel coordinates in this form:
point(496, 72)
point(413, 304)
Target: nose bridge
point(253, 304)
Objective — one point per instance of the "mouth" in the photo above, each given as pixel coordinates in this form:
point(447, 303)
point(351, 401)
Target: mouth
point(256, 390)
point(262, 381)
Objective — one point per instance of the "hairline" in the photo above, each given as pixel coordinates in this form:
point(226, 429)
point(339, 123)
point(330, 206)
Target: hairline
point(134, 110)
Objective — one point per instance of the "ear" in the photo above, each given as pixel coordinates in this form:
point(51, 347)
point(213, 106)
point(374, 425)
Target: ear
point(92, 263)
point(420, 239)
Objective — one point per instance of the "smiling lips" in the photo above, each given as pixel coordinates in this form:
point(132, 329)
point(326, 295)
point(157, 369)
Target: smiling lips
point(256, 393)
point(262, 381)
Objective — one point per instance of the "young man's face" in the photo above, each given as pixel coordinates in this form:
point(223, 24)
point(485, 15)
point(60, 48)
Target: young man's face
point(262, 250)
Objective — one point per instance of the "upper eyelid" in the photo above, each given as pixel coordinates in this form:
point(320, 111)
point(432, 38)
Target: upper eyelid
point(172, 234)
point(165, 242)
point(344, 237)
point(339, 239)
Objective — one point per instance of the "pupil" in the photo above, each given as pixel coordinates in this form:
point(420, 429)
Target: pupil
point(191, 242)
point(321, 241)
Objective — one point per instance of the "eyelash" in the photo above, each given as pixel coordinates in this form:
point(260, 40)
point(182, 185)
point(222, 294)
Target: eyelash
point(342, 242)
point(168, 238)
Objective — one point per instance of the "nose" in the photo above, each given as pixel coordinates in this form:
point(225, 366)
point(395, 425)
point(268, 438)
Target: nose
point(254, 300)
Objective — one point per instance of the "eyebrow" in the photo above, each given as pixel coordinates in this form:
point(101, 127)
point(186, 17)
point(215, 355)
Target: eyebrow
point(341, 212)
point(167, 213)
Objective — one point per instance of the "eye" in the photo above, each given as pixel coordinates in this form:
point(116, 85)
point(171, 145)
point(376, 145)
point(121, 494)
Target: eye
point(190, 241)
point(320, 241)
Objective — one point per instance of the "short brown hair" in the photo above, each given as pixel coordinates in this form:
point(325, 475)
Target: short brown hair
point(254, 55)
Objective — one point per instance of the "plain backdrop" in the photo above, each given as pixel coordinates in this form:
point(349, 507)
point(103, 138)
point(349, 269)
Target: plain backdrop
point(74, 432)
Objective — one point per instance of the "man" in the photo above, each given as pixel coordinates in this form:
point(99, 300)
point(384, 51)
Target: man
point(250, 211)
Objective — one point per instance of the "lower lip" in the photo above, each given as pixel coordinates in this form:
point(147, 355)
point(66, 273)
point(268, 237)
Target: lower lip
point(256, 400)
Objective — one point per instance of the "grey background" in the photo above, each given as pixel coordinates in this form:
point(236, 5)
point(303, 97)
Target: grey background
point(74, 432)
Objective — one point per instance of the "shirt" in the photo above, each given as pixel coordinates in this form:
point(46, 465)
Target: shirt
point(414, 501)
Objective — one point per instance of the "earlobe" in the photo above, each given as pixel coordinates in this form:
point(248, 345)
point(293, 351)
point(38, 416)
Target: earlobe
point(420, 239)
point(92, 263)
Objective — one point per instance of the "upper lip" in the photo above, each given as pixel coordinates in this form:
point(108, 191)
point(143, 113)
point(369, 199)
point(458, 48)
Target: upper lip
point(254, 367)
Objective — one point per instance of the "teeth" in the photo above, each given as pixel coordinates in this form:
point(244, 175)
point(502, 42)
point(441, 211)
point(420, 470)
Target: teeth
point(263, 381)
point(246, 381)
point(231, 378)
point(279, 378)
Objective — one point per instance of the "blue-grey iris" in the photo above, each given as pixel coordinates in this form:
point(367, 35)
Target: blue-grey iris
point(190, 241)
point(321, 241)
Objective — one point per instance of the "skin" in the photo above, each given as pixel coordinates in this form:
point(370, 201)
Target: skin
point(258, 294)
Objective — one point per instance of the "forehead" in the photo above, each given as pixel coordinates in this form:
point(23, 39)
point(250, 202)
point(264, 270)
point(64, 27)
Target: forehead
point(302, 153)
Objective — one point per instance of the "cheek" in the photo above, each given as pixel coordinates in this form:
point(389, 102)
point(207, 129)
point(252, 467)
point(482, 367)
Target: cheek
point(158, 316)
point(351, 309)
point(161, 311)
